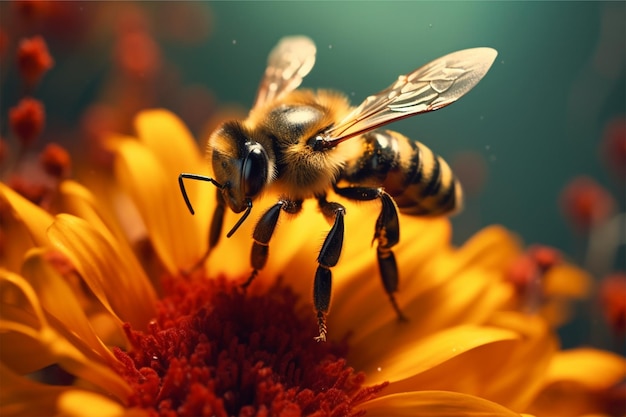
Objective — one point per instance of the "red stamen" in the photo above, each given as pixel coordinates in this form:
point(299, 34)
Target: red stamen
point(544, 256)
point(27, 120)
point(613, 301)
point(215, 351)
point(55, 161)
point(614, 146)
point(33, 59)
point(33, 192)
point(586, 202)
point(138, 55)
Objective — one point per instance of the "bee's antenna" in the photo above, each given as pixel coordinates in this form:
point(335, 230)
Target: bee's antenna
point(198, 178)
point(241, 219)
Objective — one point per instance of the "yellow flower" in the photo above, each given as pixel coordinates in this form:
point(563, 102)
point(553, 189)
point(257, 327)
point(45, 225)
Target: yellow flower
point(146, 335)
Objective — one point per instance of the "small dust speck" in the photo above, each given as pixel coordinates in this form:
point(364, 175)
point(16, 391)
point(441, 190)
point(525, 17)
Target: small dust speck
point(234, 41)
point(330, 46)
point(487, 147)
point(379, 369)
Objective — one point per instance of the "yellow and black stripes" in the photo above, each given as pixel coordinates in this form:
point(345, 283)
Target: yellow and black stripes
point(421, 183)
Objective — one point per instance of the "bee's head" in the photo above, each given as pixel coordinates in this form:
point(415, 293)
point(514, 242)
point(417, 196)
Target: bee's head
point(240, 164)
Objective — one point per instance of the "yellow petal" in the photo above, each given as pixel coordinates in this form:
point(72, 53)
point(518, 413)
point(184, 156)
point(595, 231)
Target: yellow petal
point(48, 343)
point(493, 247)
point(433, 404)
point(179, 238)
point(20, 323)
point(52, 287)
point(360, 305)
point(170, 141)
point(594, 369)
point(121, 288)
point(79, 403)
point(566, 280)
point(520, 377)
point(79, 201)
point(24, 397)
point(468, 297)
point(24, 225)
point(21, 396)
point(407, 360)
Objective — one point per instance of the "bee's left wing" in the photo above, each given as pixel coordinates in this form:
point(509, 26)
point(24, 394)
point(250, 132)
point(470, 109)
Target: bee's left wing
point(287, 64)
point(431, 87)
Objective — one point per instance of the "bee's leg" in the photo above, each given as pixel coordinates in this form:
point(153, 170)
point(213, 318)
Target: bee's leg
point(327, 258)
point(215, 231)
point(263, 233)
point(387, 233)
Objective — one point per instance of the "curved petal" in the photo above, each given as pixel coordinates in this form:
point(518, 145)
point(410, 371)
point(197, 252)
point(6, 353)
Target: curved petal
point(21, 321)
point(79, 201)
point(42, 337)
point(566, 280)
point(406, 360)
point(179, 238)
point(520, 377)
point(25, 397)
point(594, 369)
point(50, 288)
point(123, 289)
point(360, 305)
point(493, 247)
point(80, 403)
point(433, 404)
point(170, 141)
point(582, 381)
point(469, 297)
point(21, 396)
point(24, 225)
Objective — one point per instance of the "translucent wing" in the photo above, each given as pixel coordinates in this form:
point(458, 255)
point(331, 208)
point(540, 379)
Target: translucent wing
point(288, 63)
point(431, 87)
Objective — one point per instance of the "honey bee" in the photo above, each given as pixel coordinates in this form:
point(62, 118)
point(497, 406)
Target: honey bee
point(304, 143)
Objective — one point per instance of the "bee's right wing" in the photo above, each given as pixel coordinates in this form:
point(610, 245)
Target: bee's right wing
point(428, 88)
point(288, 63)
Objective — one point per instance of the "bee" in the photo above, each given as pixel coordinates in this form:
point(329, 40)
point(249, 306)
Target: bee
point(304, 143)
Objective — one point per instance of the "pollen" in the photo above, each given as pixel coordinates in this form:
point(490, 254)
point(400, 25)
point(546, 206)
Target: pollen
point(215, 351)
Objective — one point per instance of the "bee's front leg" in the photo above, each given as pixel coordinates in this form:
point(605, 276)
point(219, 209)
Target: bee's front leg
point(263, 232)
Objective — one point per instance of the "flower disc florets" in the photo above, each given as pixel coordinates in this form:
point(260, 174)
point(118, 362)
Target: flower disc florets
point(215, 351)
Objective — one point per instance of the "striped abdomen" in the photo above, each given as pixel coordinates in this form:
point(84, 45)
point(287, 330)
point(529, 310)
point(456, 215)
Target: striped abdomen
point(420, 182)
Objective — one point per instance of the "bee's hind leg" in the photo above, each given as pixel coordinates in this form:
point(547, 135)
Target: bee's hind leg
point(263, 233)
point(327, 258)
point(387, 233)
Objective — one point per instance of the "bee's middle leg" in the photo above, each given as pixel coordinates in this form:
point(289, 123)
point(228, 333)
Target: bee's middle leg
point(263, 232)
point(387, 233)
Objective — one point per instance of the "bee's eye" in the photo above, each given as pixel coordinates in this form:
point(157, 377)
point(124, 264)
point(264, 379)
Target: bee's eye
point(255, 170)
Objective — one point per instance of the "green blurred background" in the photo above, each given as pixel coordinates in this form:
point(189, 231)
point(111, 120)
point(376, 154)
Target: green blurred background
point(536, 121)
point(537, 118)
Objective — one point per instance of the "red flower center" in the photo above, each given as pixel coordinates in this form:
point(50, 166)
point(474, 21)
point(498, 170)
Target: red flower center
point(215, 351)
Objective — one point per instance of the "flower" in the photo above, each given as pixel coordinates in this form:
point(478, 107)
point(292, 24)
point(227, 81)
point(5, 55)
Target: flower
point(101, 287)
